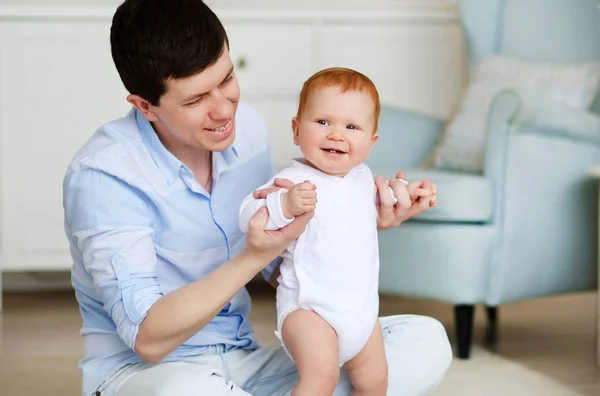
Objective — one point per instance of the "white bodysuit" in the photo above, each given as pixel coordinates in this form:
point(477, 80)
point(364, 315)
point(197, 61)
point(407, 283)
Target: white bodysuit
point(333, 267)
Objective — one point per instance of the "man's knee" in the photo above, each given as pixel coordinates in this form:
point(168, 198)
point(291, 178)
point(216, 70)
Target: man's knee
point(441, 349)
point(426, 337)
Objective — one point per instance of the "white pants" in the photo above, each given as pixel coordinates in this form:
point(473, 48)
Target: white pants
point(417, 349)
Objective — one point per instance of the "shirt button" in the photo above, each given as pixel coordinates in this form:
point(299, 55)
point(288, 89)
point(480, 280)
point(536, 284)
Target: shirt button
point(119, 261)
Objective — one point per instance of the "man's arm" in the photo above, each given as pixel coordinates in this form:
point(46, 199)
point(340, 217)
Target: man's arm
point(179, 315)
point(110, 224)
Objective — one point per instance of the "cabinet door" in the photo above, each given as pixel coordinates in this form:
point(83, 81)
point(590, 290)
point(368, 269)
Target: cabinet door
point(57, 86)
point(418, 67)
point(272, 62)
point(270, 58)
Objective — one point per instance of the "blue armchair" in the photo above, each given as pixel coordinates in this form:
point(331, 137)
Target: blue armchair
point(526, 226)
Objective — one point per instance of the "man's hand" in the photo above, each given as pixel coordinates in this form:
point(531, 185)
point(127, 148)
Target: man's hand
point(422, 196)
point(279, 184)
point(301, 198)
point(267, 245)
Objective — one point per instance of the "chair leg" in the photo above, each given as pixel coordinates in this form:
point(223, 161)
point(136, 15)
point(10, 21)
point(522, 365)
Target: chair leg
point(492, 329)
point(463, 316)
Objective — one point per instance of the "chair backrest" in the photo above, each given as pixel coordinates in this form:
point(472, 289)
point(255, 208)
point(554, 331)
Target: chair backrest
point(538, 30)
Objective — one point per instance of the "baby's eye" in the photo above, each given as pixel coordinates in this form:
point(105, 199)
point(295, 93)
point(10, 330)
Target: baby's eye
point(323, 122)
point(351, 127)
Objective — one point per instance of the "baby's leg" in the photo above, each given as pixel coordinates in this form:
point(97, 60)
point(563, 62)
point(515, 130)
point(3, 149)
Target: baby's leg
point(368, 370)
point(313, 344)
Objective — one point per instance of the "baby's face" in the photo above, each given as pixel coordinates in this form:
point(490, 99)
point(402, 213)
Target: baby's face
point(335, 131)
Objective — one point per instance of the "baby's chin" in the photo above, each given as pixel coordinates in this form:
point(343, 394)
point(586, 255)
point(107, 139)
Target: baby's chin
point(331, 170)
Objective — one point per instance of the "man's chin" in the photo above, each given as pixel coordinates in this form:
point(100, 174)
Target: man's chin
point(221, 145)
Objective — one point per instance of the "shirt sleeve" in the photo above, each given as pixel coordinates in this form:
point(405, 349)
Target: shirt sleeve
point(109, 224)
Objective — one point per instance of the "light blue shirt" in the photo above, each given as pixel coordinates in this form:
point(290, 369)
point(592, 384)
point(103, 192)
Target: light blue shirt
point(140, 226)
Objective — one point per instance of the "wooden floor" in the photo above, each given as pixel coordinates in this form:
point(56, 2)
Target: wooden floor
point(40, 344)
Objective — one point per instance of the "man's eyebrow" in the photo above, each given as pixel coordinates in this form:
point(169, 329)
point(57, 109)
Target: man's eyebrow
point(228, 74)
point(196, 96)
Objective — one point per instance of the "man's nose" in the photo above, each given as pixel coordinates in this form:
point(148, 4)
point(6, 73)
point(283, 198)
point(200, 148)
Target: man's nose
point(222, 108)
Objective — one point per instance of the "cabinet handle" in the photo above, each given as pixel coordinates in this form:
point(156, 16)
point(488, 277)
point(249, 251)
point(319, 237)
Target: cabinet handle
point(241, 63)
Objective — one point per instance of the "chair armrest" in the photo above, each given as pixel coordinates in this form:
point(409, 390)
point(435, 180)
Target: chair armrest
point(538, 113)
point(520, 114)
point(405, 139)
point(524, 112)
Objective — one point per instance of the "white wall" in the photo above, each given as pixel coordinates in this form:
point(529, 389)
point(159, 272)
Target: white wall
point(413, 51)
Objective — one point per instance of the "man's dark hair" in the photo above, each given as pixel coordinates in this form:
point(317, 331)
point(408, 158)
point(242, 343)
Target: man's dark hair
point(155, 40)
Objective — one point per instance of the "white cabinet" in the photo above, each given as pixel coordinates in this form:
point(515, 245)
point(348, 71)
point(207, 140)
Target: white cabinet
point(413, 66)
point(270, 57)
point(58, 85)
point(413, 51)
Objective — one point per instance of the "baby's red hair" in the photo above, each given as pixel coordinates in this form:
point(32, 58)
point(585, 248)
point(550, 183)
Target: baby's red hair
point(346, 80)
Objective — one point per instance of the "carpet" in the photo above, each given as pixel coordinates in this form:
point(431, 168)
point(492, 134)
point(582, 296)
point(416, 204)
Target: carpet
point(489, 374)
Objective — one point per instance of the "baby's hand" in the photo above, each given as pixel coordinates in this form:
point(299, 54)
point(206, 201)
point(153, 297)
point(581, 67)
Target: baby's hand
point(417, 190)
point(300, 199)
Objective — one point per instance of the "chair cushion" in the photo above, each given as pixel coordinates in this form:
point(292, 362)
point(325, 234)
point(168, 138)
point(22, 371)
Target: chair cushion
point(462, 145)
point(461, 197)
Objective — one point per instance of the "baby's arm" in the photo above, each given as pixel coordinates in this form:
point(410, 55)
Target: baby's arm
point(283, 205)
point(273, 202)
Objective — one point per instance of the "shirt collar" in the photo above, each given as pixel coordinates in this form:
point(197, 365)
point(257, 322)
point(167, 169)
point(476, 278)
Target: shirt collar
point(229, 155)
point(170, 165)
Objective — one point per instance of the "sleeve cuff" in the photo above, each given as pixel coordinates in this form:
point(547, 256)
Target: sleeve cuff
point(128, 327)
point(276, 209)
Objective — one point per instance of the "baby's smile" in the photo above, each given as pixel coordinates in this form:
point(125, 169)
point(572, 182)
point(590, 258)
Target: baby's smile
point(335, 152)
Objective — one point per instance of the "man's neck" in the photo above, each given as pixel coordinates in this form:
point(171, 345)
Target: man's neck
point(199, 162)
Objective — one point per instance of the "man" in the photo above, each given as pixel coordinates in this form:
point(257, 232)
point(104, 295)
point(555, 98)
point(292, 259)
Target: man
point(151, 204)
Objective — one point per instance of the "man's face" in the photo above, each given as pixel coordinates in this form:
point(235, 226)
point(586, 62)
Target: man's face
point(198, 112)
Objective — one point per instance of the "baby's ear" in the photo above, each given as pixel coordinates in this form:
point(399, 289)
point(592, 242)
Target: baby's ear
point(295, 130)
point(374, 139)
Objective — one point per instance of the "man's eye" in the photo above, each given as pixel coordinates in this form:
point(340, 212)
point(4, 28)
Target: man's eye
point(227, 80)
point(323, 122)
point(195, 102)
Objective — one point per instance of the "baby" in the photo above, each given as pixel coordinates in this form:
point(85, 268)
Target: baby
point(327, 297)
